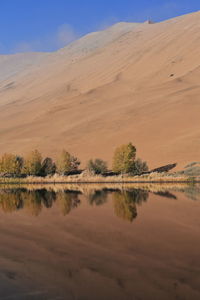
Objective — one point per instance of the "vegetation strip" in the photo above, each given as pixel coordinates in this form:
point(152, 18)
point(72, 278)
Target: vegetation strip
point(125, 168)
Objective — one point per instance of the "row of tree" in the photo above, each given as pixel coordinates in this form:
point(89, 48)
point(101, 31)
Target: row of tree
point(124, 161)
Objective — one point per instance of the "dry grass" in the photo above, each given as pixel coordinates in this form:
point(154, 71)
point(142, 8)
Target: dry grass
point(56, 179)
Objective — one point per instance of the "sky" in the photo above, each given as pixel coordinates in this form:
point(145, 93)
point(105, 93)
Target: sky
point(47, 25)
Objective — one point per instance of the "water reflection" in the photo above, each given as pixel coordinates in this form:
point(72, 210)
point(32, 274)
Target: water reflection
point(165, 194)
point(125, 205)
point(105, 246)
point(67, 201)
point(192, 192)
point(98, 197)
point(125, 199)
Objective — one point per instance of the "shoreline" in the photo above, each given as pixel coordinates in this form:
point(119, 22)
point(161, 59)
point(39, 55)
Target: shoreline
point(153, 178)
point(100, 182)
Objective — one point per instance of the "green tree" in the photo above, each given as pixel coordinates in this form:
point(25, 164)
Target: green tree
point(48, 167)
point(139, 167)
point(67, 163)
point(33, 163)
point(11, 164)
point(97, 166)
point(124, 157)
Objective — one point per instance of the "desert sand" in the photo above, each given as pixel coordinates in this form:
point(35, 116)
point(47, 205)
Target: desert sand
point(131, 82)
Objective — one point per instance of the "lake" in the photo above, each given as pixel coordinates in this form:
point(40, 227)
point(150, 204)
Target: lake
point(100, 242)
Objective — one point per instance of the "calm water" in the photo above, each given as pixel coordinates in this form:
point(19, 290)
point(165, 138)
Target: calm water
point(100, 242)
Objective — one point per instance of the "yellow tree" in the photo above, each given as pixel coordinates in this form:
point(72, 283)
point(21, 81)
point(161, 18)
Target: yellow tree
point(11, 164)
point(33, 162)
point(67, 163)
point(123, 159)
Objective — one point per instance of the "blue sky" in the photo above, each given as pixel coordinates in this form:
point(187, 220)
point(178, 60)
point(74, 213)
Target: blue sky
point(46, 25)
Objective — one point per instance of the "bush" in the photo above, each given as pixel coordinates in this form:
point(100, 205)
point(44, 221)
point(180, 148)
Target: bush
point(48, 167)
point(192, 164)
point(192, 169)
point(97, 166)
point(139, 167)
point(123, 160)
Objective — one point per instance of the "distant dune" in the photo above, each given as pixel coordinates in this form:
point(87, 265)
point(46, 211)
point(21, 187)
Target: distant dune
point(131, 82)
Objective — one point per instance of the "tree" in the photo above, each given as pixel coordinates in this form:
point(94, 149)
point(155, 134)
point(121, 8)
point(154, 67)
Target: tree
point(67, 163)
point(98, 166)
point(123, 160)
point(32, 165)
point(139, 167)
point(48, 167)
point(75, 163)
point(11, 164)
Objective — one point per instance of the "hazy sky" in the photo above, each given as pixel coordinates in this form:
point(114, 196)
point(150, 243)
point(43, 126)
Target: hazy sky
point(46, 25)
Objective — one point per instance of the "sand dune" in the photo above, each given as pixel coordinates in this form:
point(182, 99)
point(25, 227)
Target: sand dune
point(131, 82)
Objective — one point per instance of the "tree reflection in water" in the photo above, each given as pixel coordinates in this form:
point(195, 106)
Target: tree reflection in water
point(14, 199)
point(192, 192)
point(34, 200)
point(98, 197)
point(67, 201)
point(125, 203)
point(125, 200)
point(11, 200)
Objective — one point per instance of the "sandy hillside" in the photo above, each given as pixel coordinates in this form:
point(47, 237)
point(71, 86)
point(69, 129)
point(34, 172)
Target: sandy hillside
point(131, 82)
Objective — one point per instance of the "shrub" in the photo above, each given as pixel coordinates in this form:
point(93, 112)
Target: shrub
point(192, 164)
point(192, 169)
point(139, 167)
point(97, 166)
point(48, 167)
point(123, 160)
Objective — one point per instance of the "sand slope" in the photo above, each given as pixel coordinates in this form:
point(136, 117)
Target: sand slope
point(131, 82)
